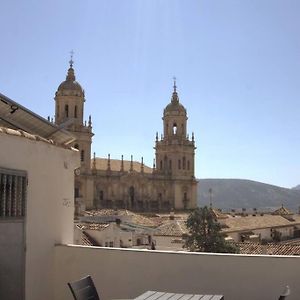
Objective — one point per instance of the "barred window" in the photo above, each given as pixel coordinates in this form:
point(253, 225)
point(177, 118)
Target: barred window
point(13, 186)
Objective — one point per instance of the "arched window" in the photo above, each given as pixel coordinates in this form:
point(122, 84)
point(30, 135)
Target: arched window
point(174, 128)
point(185, 196)
point(183, 163)
point(165, 162)
point(185, 200)
point(101, 195)
point(132, 196)
point(75, 111)
point(82, 155)
point(76, 192)
point(67, 110)
point(179, 164)
point(159, 196)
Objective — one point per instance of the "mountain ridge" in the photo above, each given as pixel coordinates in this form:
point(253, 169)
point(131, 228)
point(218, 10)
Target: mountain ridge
point(243, 193)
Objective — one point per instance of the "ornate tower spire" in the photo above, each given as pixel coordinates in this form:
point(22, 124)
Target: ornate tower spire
point(71, 58)
point(174, 85)
point(142, 165)
point(174, 161)
point(71, 73)
point(122, 164)
point(175, 98)
point(108, 162)
point(94, 169)
point(131, 163)
point(69, 112)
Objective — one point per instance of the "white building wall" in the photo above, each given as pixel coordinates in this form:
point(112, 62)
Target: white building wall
point(126, 273)
point(265, 233)
point(111, 234)
point(50, 205)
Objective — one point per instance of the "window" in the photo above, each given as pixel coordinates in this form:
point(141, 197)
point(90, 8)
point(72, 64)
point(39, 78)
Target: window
point(179, 164)
point(188, 164)
point(174, 128)
point(76, 146)
point(131, 195)
point(161, 164)
point(184, 196)
point(13, 186)
point(183, 163)
point(106, 244)
point(66, 110)
point(75, 111)
point(111, 244)
point(101, 195)
point(76, 192)
point(82, 155)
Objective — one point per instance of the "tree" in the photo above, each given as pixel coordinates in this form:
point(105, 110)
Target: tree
point(205, 233)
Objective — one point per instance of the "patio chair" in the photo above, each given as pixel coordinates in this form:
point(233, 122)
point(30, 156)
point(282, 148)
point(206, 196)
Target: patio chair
point(285, 293)
point(84, 289)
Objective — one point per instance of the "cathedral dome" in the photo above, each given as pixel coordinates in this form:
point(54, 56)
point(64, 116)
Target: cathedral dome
point(175, 107)
point(70, 86)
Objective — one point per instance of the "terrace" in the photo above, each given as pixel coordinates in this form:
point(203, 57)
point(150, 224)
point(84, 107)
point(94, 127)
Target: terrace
point(37, 257)
point(124, 273)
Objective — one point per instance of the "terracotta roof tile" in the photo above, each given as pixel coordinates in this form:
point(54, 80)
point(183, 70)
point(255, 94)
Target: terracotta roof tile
point(269, 249)
point(239, 223)
point(135, 218)
point(282, 211)
point(172, 228)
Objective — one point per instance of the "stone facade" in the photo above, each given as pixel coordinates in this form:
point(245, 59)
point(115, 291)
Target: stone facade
point(109, 183)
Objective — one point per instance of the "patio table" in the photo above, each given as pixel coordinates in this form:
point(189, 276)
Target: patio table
point(154, 295)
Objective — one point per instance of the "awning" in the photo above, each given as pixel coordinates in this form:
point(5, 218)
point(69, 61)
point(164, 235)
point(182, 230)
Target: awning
point(15, 116)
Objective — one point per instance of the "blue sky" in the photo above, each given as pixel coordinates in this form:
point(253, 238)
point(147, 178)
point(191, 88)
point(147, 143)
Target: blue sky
point(237, 65)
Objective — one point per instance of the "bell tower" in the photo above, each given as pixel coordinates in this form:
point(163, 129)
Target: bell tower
point(69, 114)
point(175, 153)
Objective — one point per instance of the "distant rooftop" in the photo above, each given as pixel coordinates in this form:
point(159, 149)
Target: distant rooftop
point(241, 223)
point(269, 249)
point(115, 165)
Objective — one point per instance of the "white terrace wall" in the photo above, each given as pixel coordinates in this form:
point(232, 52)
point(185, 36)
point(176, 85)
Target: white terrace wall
point(124, 273)
point(50, 205)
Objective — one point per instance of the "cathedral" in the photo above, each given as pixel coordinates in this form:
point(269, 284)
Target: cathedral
point(117, 183)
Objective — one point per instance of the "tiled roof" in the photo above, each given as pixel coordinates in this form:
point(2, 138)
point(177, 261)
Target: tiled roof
point(92, 226)
point(269, 249)
point(135, 218)
point(239, 223)
point(85, 240)
point(282, 211)
point(115, 165)
point(172, 228)
point(218, 214)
